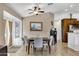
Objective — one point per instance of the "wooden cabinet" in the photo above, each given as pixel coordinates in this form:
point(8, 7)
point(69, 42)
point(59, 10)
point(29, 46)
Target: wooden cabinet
point(65, 27)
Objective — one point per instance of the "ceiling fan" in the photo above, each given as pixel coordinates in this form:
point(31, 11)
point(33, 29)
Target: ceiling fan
point(36, 10)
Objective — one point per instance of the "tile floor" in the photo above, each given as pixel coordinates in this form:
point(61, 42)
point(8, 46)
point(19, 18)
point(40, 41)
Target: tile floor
point(60, 49)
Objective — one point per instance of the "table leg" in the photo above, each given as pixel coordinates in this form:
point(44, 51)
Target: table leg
point(26, 48)
point(49, 49)
point(29, 48)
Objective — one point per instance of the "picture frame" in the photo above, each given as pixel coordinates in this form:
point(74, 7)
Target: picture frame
point(36, 26)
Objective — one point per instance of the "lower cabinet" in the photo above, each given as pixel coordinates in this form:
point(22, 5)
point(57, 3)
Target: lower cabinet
point(73, 41)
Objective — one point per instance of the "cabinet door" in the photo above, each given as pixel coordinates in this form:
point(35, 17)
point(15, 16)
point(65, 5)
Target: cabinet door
point(71, 39)
point(77, 39)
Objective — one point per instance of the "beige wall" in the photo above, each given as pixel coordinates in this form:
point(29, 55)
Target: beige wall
point(2, 27)
point(45, 18)
point(2, 22)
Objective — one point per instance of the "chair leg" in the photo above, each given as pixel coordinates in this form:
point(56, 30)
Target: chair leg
point(26, 48)
point(34, 50)
point(42, 50)
point(49, 49)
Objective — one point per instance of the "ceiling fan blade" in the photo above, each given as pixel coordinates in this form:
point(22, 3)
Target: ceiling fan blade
point(41, 11)
point(50, 3)
point(39, 8)
point(30, 12)
point(30, 9)
point(35, 8)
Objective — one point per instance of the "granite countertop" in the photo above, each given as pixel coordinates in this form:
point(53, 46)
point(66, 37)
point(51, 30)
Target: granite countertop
point(74, 32)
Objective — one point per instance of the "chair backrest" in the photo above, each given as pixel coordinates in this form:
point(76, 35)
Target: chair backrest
point(38, 43)
point(51, 40)
point(25, 40)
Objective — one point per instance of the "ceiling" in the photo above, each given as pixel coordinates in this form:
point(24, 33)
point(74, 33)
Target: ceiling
point(22, 8)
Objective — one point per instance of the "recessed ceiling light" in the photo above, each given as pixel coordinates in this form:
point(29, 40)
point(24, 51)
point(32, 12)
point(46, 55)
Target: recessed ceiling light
point(71, 6)
point(50, 3)
point(66, 10)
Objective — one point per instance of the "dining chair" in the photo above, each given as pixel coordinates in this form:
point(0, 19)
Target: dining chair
point(45, 44)
point(51, 42)
point(38, 44)
point(24, 39)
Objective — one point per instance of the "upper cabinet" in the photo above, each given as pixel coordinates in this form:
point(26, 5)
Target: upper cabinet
point(65, 27)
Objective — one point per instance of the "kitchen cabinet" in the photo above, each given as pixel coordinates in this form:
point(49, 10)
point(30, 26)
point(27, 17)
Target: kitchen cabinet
point(73, 40)
point(65, 27)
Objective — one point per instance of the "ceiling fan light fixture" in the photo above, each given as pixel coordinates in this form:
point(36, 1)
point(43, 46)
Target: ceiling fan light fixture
point(35, 12)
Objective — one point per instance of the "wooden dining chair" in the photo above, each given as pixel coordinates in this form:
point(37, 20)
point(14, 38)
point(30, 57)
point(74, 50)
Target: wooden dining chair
point(24, 39)
point(51, 43)
point(45, 44)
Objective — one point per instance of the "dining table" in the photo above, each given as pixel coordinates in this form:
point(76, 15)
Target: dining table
point(31, 40)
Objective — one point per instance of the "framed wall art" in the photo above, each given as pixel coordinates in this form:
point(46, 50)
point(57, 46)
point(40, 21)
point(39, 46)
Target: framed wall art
point(36, 26)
